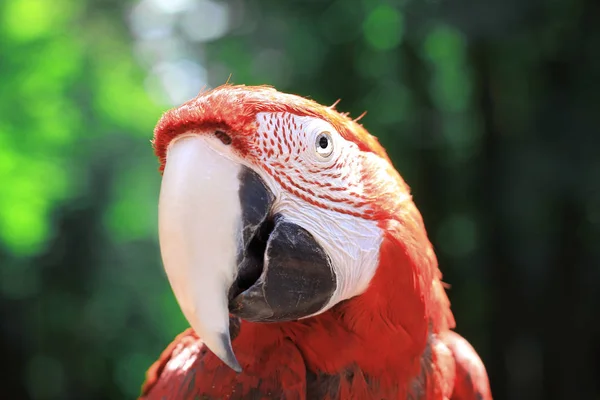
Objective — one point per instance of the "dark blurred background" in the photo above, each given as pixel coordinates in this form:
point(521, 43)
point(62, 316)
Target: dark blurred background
point(488, 108)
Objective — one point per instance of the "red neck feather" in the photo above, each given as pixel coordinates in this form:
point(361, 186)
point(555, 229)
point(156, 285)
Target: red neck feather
point(382, 333)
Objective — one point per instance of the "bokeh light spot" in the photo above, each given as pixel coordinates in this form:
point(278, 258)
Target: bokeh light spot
point(26, 20)
point(384, 28)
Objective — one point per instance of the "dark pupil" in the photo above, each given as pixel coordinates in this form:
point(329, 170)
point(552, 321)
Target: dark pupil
point(323, 142)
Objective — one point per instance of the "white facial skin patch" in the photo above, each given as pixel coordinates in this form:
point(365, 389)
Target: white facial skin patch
point(322, 191)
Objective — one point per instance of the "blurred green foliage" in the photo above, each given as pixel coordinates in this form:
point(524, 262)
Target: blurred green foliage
point(489, 110)
point(78, 202)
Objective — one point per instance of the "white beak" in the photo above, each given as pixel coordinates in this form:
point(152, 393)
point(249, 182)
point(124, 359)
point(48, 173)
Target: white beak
point(200, 231)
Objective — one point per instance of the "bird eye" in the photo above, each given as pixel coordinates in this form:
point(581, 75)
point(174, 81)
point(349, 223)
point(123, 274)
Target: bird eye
point(324, 144)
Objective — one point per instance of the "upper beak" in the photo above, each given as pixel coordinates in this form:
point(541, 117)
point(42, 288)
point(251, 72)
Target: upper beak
point(216, 231)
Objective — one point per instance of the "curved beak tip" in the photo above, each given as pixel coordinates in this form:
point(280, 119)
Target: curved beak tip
point(229, 357)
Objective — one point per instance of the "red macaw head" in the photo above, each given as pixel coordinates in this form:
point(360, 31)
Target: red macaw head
point(275, 208)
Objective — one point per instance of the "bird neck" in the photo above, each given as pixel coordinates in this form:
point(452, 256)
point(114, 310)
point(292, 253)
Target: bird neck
point(386, 327)
point(383, 333)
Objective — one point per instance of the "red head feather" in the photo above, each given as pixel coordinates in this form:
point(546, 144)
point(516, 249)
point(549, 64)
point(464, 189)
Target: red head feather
point(234, 108)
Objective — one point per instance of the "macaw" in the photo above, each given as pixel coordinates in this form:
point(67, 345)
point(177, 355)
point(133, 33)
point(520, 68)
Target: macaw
point(297, 255)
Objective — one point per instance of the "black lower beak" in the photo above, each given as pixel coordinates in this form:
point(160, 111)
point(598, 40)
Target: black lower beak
point(283, 273)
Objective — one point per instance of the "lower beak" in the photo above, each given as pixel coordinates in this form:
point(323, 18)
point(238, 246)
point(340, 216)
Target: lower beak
point(216, 231)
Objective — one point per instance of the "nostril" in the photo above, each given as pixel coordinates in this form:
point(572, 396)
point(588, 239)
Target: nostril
point(223, 137)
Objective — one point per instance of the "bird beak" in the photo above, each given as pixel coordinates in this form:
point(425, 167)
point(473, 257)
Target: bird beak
point(224, 252)
point(199, 220)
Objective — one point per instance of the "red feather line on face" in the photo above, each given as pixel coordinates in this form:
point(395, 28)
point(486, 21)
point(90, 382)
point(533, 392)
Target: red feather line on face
point(235, 107)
